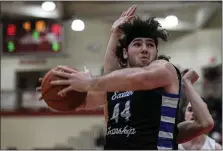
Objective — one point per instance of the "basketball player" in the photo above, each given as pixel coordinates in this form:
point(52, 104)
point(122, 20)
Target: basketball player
point(202, 142)
point(143, 95)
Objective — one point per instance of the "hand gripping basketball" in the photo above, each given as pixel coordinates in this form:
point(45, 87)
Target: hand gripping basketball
point(67, 102)
point(73, 80)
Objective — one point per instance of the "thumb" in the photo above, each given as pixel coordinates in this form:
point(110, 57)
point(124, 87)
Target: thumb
point(185, 71)
point(87, 71)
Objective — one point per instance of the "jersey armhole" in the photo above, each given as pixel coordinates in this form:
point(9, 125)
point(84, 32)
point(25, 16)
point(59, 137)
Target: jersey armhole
point(171, 95)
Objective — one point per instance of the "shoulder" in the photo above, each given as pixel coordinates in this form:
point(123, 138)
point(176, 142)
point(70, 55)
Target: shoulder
point(167, 66)
point(164, 64)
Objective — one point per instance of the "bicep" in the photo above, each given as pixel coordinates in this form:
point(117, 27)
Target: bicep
point(188, 130)
point(159, 74)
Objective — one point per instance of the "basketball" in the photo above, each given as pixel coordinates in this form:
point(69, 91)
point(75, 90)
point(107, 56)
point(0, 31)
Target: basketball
point(69, 102)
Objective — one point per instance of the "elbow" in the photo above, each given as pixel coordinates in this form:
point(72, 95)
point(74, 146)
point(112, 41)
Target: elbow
point(208, 125)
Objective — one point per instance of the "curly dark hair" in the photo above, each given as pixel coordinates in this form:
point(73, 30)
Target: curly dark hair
point(149, 28)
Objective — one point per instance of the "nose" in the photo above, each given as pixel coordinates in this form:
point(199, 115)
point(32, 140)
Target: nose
point(144, 49)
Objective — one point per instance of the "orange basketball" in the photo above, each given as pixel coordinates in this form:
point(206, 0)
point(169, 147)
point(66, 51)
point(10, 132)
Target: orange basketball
point(69, 102)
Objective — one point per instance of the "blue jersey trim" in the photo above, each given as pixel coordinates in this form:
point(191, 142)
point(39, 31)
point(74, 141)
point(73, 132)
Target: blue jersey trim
point(171, 95)
point(165, 142)
point(166, 127)
point(168, 111)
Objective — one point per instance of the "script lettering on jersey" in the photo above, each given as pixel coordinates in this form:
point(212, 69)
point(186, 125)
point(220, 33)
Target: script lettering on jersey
point(119, 131)
point(121, 95)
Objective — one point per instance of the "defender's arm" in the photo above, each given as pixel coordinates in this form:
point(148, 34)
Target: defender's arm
point(203, 122)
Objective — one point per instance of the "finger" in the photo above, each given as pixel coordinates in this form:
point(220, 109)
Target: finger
point(60, 82)
point(185, 71)
point(194, 80)
point(86, 70)
point(196, 77)
point(64, 91)
point(131, 11)
point(129, 18)
point(61, 74)
point(123, 14)
point(126, 12)
point(66, 69)
point(38, 89)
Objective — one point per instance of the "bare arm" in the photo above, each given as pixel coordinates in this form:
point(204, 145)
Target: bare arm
point(111, 61)
point(159, 73)
point(203, 123)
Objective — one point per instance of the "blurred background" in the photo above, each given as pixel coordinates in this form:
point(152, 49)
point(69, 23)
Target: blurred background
point(36, 36)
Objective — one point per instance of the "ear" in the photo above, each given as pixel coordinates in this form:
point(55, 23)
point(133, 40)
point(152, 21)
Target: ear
point(125, 53)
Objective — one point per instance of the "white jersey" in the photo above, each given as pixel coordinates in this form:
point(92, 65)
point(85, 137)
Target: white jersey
point(209, 144)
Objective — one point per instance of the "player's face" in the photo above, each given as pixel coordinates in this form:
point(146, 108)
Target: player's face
point(189, 114)
point(141, 52)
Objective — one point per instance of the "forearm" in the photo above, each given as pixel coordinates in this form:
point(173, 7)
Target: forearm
point(119, 80)
point(110, 59)
point(150, 77)
point(199, 107)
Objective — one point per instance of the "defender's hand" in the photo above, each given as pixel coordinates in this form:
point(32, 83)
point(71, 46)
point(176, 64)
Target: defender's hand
point(125, 17)
point(190, 75)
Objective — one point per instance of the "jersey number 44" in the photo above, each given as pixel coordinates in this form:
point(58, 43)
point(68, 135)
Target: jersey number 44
point(121, 114)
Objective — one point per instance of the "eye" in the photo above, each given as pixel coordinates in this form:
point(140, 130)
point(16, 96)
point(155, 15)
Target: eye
point(137, 44)
point(150, 45)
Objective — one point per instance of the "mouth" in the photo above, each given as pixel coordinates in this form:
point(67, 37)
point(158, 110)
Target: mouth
point(192, 119)
point(144, 58)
